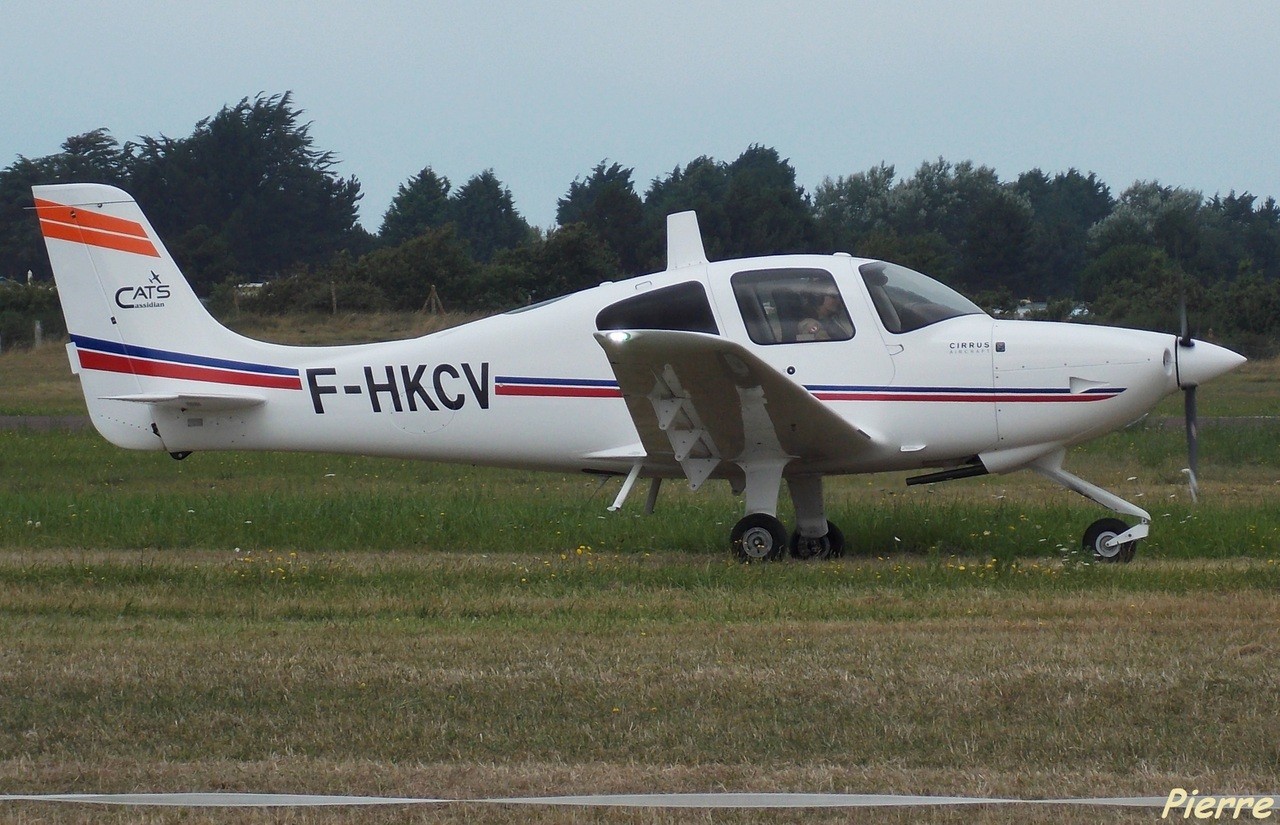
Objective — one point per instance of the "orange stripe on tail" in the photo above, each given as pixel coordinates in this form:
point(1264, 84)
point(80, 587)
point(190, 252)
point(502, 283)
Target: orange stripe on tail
point(69, 223)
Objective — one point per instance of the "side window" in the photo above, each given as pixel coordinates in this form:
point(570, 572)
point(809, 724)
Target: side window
point(787, 306)
point(681, 307)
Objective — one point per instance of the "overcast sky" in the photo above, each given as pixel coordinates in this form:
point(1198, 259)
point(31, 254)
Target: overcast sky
point(1186, 93)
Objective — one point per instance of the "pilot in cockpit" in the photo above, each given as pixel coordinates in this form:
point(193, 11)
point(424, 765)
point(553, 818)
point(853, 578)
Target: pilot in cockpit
point(826, 319)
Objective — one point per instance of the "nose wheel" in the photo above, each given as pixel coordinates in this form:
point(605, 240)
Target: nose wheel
point(1101, 532)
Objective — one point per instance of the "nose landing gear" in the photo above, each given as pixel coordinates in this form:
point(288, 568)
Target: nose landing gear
point(1098, 541)
point(1109, 539)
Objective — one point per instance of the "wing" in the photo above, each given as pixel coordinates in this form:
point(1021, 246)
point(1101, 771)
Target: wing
point(701, 400)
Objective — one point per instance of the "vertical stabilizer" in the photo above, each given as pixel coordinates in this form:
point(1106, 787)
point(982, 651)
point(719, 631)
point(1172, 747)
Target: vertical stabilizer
point(684, 241)
point(134, 321)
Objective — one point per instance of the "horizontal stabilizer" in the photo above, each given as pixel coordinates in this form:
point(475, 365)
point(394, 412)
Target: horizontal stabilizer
point(189, 401)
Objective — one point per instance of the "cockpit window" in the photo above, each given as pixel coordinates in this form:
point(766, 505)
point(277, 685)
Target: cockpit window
point(787, 306)
point(681, 307)
point(907, 300)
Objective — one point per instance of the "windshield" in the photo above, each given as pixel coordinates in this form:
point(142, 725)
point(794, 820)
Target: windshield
point(907, 300)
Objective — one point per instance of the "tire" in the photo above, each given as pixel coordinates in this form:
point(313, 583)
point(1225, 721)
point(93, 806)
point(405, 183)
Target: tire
point(1099, 533)
point(830, 546)
point(758, 537)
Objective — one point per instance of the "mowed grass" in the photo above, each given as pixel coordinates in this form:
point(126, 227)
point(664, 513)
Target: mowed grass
point(301, 623)
point(464, 675)
point(73, 490)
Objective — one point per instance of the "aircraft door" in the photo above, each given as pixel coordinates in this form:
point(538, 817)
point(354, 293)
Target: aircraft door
point(803, 322)
point(943, 397)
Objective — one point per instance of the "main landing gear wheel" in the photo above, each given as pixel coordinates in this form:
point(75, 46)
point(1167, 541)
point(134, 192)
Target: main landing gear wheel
point(758, 537)
point(830, 546)
point(1102, 531)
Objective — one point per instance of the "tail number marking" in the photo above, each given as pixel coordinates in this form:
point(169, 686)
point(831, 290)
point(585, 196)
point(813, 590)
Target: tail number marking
point(397, 388)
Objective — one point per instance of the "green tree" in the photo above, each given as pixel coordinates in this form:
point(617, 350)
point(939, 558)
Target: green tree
point(1139, 285)
point(571, 258)
point(607, 203)
point(768, 212)
point(752, 206)
point(1064, 208)
point(1237, 238)
point(252, 175)
point(993, 245)
point(926, 252)
point(406, 273)
point(337, 286)
point(420, 204)
point(848, 209)
point(1148, 214)
point(21, 306)
point(93, 157)
point(21, 248)
point(1245, 314)
point(983, 223)
point(486, 216)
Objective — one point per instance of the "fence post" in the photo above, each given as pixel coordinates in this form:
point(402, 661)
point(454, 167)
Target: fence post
point(38, 336)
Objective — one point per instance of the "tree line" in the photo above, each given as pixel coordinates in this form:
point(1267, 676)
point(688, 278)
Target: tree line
point(249, 198)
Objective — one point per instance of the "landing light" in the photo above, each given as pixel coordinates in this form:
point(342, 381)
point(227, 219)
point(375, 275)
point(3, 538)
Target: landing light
point(619, 337)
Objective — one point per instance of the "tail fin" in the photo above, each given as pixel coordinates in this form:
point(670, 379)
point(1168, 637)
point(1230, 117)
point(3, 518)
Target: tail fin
point(134, 321)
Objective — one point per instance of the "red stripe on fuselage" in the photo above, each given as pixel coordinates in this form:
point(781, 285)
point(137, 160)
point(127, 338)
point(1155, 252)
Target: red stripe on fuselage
point(107, 362)
point(956, 399)
point(558, 392)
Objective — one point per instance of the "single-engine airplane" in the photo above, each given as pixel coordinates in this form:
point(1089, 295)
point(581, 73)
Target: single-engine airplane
point(756, 370)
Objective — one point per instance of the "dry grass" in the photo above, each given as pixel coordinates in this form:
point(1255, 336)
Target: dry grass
point(461, 683)
point(39, 382)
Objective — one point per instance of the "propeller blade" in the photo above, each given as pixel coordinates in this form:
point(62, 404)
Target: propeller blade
point(1184, 336)
point(1193, 441)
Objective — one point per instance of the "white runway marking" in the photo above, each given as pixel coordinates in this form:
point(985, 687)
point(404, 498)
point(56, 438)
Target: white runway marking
point(640, 800)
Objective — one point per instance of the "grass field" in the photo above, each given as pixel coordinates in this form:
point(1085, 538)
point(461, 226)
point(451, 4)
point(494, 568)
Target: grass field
point(301, 623)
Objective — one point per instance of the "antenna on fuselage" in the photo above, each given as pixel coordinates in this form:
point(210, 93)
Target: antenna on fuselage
point(684, 241)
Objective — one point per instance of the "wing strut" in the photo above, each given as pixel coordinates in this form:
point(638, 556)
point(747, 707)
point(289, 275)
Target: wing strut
point(651, 500)
point(627, 484)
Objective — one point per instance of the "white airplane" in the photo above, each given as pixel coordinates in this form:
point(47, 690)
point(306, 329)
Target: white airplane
point(791, 367)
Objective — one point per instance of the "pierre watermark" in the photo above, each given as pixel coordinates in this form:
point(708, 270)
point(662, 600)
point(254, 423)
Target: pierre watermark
point(1184, 805)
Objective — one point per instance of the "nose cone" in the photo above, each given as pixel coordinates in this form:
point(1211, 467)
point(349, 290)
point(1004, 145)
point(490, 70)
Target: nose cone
point(1199, 362)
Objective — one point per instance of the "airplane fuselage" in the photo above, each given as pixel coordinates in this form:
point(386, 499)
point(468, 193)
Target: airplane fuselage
point(961, 387)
